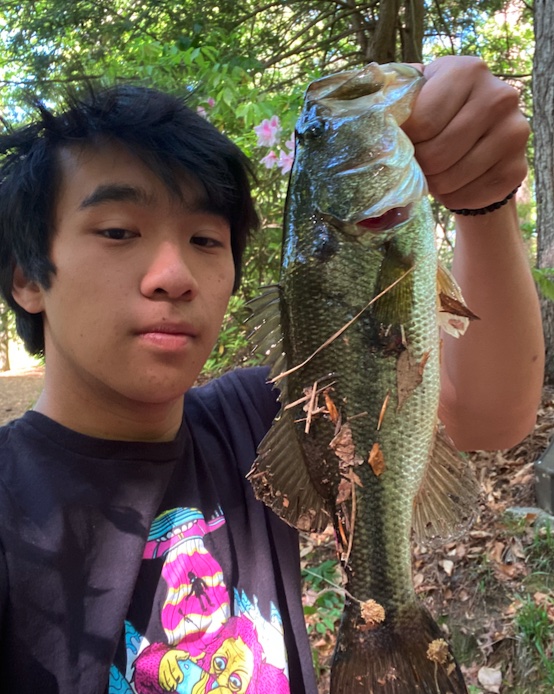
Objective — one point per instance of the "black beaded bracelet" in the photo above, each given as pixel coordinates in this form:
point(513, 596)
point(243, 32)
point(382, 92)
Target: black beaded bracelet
point(487, 209)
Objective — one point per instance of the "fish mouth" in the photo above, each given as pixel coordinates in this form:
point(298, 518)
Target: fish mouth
point(388, 220)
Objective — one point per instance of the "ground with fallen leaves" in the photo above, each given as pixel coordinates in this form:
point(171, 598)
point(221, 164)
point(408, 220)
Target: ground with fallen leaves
point(18, 392)
point(474, 586)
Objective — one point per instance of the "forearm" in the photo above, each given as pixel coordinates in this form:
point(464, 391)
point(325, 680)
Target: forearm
point(492, 376)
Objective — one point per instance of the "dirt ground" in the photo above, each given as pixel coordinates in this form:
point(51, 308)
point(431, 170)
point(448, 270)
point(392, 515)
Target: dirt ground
point(18, 392)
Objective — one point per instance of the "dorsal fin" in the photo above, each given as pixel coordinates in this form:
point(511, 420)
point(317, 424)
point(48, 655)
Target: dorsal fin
point(266, 335)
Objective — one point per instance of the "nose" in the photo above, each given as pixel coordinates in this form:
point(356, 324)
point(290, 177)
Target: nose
point(168, 274)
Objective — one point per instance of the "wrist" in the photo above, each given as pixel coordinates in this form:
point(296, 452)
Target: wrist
point(468, 212)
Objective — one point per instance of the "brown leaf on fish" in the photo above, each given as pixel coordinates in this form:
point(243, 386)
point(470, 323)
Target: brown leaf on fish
point(372, 614)
point(377, 460)
point(343, 446)
point(409, 375)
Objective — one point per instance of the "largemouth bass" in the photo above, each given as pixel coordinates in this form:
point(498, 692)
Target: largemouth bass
point(353, 334)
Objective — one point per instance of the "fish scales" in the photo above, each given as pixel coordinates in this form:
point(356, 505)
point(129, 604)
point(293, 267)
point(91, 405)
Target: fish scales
point(360, 337)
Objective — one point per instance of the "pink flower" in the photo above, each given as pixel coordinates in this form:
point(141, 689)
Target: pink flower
point(290, 143)
point(211, 102)
point(268, 131)
point(201, 111)
point(269, 160)
point(285, 161)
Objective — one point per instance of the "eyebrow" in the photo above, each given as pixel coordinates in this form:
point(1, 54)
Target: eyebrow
point(121, 192)
point(116, 192)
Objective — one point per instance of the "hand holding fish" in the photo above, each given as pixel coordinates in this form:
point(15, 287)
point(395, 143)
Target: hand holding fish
point(469, 133)
point(470, 139)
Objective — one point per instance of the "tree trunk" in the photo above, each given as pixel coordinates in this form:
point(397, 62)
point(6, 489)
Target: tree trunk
point(384, 37)
point(543, 127)
point(412, 31)
point(397, 35)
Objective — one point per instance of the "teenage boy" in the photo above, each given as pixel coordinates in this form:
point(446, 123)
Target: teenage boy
point(133, 555)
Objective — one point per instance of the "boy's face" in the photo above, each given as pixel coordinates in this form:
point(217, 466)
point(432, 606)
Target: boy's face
point(141, 286)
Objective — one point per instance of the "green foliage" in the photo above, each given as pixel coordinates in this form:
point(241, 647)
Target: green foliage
point(535, 632)
point(544, 278)
point(326, 609)
point(540, 553)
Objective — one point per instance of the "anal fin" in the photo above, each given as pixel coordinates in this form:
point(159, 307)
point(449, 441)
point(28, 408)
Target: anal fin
point(446, 501)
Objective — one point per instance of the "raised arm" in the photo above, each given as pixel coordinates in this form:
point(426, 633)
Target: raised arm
point(470, 139)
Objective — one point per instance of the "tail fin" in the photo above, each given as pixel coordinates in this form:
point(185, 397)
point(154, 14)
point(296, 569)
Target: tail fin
point(404, 654)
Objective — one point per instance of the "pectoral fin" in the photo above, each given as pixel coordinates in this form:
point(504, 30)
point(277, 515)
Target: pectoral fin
point(454, 315)
point(280, 476)
point(281, 480)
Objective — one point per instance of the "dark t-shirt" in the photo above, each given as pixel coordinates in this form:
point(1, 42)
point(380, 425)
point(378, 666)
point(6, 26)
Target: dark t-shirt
point(148, 567)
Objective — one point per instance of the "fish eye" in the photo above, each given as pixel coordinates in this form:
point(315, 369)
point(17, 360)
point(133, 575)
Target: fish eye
point(315, 129)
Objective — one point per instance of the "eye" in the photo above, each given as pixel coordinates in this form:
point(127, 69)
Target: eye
point(219, 663)
point(206, 242)
point(235, 682)
point(315, 129)
point(117, 234)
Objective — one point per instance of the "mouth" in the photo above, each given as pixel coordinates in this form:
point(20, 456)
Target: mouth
point(388, 220)
point(169, 336)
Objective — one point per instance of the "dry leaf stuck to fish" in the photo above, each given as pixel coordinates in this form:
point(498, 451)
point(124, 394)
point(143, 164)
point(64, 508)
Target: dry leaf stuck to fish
point(377, 460)
point(438, 651)
point(409, 374)
point(372, 613)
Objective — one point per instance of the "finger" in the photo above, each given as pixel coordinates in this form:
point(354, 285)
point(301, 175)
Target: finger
point(486, 174)
point(448, 86)
point(500, 122)
point(165, 681)
point(492, 186)
point(176, 673)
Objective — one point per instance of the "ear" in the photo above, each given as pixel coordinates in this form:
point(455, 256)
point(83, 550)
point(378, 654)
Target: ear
point(27, 293)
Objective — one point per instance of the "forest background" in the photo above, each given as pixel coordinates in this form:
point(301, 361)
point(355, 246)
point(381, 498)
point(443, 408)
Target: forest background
point(245, 66)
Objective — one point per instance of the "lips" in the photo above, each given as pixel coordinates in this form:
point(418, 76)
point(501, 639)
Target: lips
point(169, 329)
point(168, 335)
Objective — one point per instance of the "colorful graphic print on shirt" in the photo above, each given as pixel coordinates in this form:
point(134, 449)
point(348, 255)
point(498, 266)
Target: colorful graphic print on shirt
point(207, 649)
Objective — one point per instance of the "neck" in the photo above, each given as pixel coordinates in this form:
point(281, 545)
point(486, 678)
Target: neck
point(118, 420)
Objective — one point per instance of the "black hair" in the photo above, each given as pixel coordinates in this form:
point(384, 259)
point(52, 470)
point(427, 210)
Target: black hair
point(158, 127)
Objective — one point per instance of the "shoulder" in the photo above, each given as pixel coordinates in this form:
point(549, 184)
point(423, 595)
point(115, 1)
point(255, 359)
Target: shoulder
point(243, 394)
point(248, 382)
point(229, 416)
point(14, 436)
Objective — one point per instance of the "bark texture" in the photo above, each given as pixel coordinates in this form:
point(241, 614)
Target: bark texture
point(543, 128)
